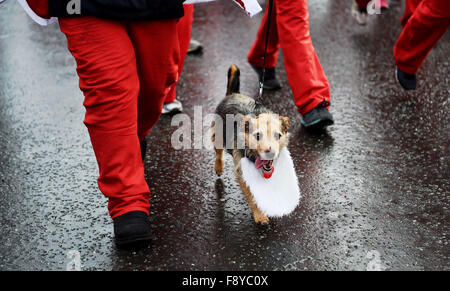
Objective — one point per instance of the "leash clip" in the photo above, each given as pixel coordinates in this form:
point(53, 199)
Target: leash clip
point(261, 88)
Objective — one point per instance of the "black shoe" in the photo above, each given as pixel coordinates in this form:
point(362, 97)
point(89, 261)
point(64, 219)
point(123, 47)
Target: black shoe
point(407, 81)
point(132, 229)
point(143, 148)
point(271, 81)
point(317, 119)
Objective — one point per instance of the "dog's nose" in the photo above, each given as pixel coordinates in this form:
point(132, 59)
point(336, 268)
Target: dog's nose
point(269, 155)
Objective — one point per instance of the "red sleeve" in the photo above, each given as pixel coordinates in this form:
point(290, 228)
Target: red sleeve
point(40, 7)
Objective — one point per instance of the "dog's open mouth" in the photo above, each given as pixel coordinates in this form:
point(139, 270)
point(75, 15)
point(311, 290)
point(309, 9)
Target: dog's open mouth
point(266, 166)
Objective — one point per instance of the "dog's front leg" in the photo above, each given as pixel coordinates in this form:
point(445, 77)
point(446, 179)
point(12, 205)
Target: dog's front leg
point(258, 216)
point(219, 164)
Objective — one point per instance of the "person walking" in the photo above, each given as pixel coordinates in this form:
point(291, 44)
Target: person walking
point(127, 60)
point(289, 30)
point(424, 23)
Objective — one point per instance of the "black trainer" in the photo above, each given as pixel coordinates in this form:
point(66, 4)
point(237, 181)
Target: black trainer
point(132, 229)
point(317, 119)
point(143, 148)
point(407, 81)
point(271, 81)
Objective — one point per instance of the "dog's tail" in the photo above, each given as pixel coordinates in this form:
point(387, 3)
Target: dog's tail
point(233, 80)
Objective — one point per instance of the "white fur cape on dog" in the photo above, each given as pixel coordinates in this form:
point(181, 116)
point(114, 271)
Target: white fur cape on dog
point(279, 195)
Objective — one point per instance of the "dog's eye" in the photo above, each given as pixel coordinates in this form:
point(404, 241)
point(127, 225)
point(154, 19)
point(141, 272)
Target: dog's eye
point(277, 136)
point(258, 136)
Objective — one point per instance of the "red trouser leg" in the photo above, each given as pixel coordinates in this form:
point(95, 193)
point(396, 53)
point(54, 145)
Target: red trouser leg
point(305, 74)
point(158, 56)
point(410, 7)
point(184, 28)
point(108, 67)
point(362, 3)
point(427, 24)
point(256, 53)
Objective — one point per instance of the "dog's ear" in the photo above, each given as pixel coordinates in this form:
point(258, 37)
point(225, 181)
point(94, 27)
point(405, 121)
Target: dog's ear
point(285, 123)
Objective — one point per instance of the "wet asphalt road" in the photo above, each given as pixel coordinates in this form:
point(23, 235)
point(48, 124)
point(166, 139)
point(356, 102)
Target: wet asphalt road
point(375, 187)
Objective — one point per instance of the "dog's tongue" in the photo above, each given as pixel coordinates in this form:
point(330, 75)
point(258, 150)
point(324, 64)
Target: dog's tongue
point(259, 163)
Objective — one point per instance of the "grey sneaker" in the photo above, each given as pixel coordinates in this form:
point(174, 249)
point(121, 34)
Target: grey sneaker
point(194, 47)
point(174, 107)
point(360, 14)
point(317, 119)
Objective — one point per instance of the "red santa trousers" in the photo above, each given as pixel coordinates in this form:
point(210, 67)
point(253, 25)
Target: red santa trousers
point(125, 71)
point(184, 28)
point(290, 31)
point(424, 23)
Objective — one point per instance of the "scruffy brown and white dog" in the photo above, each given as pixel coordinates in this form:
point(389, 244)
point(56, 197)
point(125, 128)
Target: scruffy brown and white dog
point(256, 132)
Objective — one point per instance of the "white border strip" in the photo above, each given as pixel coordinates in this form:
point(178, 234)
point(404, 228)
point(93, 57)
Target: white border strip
point(39, 20)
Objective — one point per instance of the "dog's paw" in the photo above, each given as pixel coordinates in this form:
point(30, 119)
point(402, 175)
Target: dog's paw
point(261, 219)
point(219, 166)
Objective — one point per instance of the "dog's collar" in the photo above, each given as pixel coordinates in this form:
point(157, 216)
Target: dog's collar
point(244, 153)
